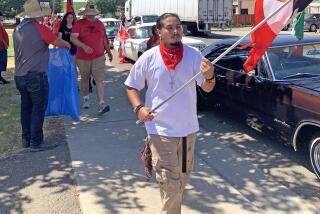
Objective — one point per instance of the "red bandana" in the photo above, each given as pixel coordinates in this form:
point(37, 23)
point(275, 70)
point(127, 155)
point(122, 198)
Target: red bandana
point(171, 58)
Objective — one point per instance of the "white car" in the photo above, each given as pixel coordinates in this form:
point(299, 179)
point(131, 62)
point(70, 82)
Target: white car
point(112, 26)
point(137, 43)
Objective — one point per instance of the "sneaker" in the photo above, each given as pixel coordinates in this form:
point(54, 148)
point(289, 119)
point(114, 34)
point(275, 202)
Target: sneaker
point(85, 103)
point(3, 81)
point(103, 108)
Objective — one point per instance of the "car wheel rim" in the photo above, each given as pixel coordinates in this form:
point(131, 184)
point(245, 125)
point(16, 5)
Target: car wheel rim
point(315, 155)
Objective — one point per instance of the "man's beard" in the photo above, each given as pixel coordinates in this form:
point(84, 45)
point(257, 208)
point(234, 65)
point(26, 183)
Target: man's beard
point(175, 44)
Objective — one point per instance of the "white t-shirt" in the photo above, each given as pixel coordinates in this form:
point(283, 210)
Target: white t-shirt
point(177, 117)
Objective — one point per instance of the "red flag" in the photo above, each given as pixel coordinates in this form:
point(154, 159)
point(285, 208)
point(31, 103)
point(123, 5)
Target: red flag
point(69, 7)
point(122, 33)
point(263, 37)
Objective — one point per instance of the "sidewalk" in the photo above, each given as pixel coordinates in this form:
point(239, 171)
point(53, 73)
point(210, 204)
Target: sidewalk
point(40, 182)
point(110, 176)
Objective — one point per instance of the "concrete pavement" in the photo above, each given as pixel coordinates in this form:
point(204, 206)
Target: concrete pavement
point(110, 176)
point(40, 182)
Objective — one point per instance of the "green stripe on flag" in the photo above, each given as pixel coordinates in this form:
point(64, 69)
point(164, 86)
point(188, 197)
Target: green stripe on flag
point(298, 26)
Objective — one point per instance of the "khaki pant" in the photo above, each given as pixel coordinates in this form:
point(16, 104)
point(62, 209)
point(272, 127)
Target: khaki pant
point(167, 161)
point(95, 67)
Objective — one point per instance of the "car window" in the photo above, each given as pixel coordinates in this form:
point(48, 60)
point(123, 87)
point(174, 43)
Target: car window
point(149, 19)
point(112, 31)
point(142, 33)
point(234, 60)
point(111, 23)
point(294, 60)
point(262, 69)
point(137, 19)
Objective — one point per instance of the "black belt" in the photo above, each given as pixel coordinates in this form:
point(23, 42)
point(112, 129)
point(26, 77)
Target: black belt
point(184, 154)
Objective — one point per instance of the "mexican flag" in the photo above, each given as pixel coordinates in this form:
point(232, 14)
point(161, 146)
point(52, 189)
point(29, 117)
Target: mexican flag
point(298, 26)
point(263, 37)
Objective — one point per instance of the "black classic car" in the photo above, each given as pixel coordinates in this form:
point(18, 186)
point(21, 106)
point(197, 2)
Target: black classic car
point(283, 93)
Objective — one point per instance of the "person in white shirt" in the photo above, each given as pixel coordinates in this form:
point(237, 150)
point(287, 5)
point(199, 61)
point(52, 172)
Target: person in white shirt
point(172, 129)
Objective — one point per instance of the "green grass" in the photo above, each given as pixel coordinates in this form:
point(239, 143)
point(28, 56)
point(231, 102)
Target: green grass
point(10, 116)
point(10, 49)
point(9, 108)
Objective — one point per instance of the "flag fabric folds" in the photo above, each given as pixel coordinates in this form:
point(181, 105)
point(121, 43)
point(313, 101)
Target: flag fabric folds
point(298, 26)
point(69, 7)
point(122, 35)
point(263, 37)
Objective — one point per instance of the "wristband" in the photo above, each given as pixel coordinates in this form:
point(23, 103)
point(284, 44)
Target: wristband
point(209, 80)
point(137, 108)
point(212, 78)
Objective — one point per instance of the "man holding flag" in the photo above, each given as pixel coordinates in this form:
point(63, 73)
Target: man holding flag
point(172, 129)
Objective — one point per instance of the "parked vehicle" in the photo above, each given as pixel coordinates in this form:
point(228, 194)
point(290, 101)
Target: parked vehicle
point(282, 96)
point(137, 43)
point(145, 19)
point(312, 22)
point(196, 15)
point(112, 27)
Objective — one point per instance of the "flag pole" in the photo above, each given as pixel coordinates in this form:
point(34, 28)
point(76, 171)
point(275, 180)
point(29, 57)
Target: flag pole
point(218, 58)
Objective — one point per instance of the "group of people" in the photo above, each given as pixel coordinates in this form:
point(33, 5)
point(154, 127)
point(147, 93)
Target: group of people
point(152, 41)
point(87, 41)
point(163, 69)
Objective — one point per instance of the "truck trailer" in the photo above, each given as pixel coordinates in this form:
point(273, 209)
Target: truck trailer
point(196, 15)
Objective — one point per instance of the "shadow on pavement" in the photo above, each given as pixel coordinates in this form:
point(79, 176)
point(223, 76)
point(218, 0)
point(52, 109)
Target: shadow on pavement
point(269, 174)
point(40, 182)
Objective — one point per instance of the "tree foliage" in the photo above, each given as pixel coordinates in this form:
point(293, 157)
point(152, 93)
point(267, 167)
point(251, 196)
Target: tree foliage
point(57, 6)
point(11, 8)
point(109, 6)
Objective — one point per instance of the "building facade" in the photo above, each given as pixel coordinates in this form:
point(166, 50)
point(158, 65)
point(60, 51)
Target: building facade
point(243, 7)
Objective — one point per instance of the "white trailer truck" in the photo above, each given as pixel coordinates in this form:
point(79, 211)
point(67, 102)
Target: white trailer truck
point(197, 15)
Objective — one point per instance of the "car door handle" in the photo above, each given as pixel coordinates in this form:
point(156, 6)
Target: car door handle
point(237, 84)
point(220, 77)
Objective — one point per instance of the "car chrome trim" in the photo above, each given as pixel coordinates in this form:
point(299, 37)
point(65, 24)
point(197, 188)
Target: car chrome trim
point(314, 123)
point(269, 66)
point(295, 44)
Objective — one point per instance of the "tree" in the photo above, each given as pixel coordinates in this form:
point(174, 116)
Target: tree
point(57, 6)
point(10, 8)
point(109, 6)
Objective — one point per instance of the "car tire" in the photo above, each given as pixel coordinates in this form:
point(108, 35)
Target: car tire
point(313, 28)
point(314, 152)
